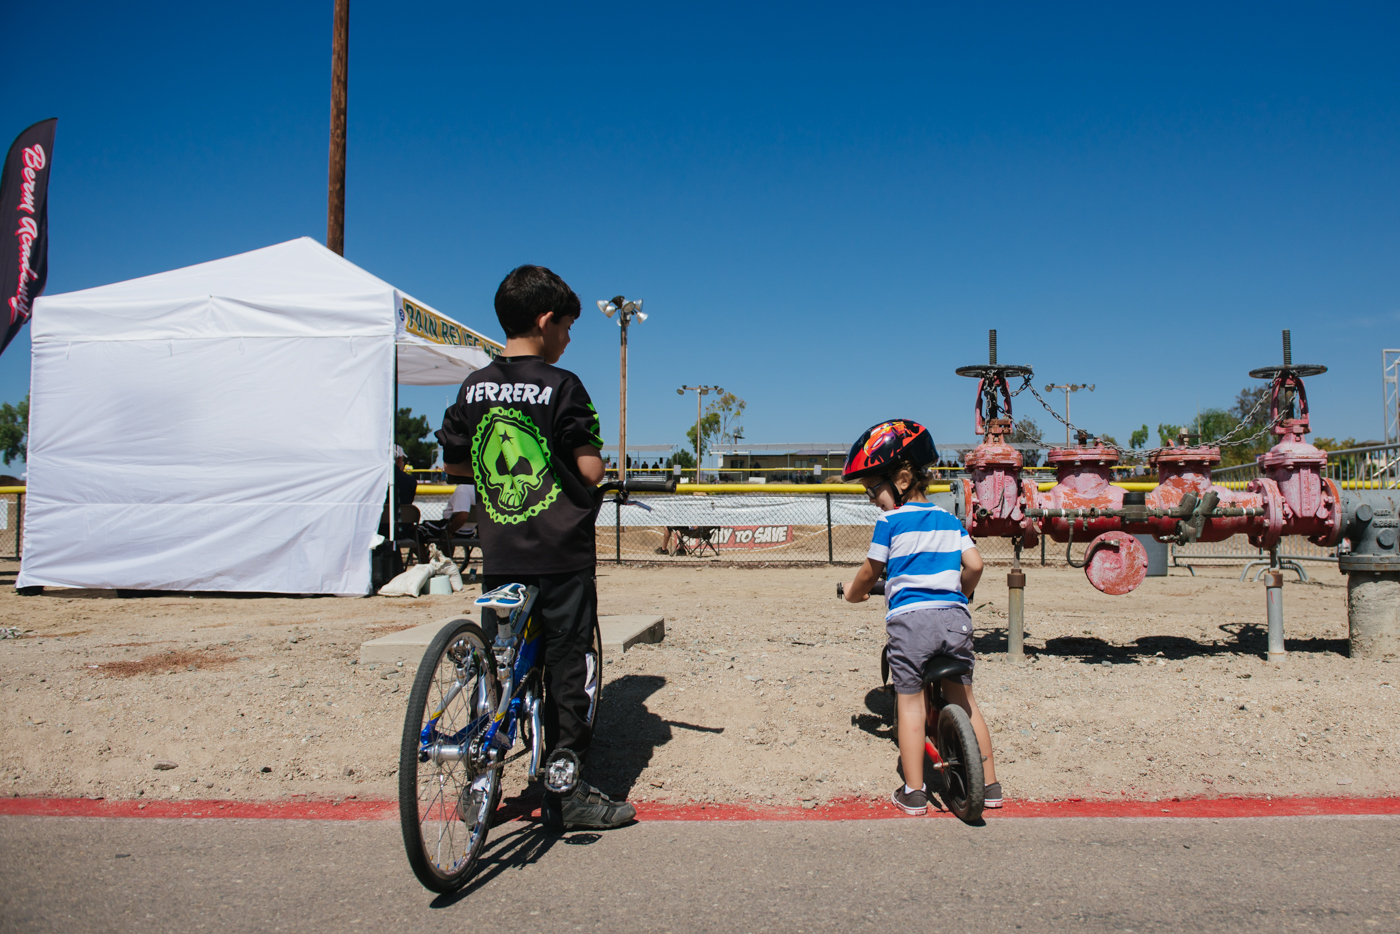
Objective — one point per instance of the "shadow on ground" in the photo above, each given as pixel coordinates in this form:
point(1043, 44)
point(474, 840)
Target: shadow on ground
point(627, 734)
point(1238, 638)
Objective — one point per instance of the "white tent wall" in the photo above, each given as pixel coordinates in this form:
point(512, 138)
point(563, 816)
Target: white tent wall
point(223, 427)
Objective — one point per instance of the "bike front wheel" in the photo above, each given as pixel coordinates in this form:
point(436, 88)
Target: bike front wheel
point(963, 790)
point(445, 804)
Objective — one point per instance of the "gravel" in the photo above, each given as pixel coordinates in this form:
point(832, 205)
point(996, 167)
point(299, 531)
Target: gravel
point(766, 689)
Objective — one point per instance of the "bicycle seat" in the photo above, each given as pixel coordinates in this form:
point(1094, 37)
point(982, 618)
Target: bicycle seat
point(504, 600)
point(942, 666)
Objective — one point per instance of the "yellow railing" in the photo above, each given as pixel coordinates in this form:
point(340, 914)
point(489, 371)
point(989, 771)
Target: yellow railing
point(839, 487)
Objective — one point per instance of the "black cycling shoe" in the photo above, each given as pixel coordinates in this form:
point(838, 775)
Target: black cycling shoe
point(585, 808)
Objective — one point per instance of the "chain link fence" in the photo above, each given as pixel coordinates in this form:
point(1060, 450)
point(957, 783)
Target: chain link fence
point(808, 528)
point(11, 505)
point(761, 528)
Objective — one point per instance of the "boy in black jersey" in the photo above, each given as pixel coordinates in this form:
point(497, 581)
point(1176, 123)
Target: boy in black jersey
point(525, 432)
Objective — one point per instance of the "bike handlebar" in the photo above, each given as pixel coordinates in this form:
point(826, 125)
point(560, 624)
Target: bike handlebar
point(639, 485)
point(876, 590)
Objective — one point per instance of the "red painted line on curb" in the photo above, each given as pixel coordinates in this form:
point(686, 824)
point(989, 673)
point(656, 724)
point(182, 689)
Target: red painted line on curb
point(280, 809)
point(842, 810)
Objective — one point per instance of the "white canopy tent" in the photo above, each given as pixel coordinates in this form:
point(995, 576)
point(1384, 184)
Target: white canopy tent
point(227, 426)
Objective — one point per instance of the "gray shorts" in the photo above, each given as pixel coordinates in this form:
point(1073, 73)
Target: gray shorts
point(918, 635)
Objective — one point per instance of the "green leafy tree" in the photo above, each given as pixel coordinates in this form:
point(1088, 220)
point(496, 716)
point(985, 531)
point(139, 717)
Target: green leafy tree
point(1166, 434)
point(682, 457)
point(14, 431)
point(709, 428)
point(1214, 424)
point(722, 422)
point(1138, 438)
point(411, 433)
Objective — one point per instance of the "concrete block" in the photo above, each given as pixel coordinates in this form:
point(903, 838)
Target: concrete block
point(620, 633)
point(406, 646)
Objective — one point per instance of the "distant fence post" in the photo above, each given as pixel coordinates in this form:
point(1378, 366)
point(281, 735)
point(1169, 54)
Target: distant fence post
point(617, 530)
point(828, 529)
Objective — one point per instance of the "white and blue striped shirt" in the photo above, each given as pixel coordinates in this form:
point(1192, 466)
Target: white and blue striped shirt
point(921, 547)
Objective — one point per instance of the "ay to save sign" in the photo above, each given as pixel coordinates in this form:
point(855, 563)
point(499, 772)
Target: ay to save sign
point(752, 536)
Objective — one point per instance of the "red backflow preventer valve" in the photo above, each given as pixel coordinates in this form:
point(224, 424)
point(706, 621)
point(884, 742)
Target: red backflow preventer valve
point(1298, 499)
point(1292, 497)
point(992, 503)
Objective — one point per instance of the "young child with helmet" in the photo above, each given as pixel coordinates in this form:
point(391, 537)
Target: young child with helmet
point(933, 568)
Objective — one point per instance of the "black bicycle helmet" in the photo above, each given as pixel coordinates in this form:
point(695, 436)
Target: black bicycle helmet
point(882, 447)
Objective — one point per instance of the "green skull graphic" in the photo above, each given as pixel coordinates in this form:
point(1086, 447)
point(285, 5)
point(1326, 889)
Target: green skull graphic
point(511, 459)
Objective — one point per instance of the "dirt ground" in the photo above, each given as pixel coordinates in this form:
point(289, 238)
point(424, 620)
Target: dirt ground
point(766, 689)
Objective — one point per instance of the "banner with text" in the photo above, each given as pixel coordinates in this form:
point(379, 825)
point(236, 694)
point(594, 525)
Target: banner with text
point(751, 536)
point(429, 325)
point(24, 212)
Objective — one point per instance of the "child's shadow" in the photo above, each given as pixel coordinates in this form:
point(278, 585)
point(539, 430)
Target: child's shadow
point(879, 722)
point(627, 733)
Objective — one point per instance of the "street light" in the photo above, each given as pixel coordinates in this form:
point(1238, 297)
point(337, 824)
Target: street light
point(1068, 388)
point(700, 392)
point(625, 311)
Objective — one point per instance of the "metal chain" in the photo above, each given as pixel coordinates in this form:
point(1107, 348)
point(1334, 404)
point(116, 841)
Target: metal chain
point(1144, 453)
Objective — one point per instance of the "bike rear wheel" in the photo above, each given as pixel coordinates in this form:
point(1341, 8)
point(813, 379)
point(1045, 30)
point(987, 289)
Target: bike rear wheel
point(445, 806)
point(963, 789)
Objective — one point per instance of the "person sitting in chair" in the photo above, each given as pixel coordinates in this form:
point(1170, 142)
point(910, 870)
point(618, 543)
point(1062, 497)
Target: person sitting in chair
point(459, 514)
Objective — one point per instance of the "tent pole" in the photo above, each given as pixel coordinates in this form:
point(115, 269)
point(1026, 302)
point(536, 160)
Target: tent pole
point(393, 486)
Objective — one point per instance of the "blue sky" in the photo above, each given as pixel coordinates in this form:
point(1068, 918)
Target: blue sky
point(823, 206)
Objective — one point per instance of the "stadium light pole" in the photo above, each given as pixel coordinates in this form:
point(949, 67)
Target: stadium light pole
point(1068, 388)
point(700, 392)
point(625, 311)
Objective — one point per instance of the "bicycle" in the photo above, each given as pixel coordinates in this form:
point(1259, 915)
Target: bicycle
point(951, 750)
point(469, 704)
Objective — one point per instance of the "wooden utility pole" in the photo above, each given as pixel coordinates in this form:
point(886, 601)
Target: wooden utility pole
point(340, 68)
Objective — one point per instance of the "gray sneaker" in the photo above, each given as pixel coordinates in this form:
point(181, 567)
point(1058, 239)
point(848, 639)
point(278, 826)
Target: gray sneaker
point(914, 802)
point(586, 808)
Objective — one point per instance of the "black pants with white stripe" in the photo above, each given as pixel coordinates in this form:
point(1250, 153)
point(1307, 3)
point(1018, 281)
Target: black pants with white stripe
point(568, 608)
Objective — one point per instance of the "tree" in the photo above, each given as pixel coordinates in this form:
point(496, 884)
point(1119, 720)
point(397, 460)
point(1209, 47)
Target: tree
point(409, 433)
point(1139, 438)
point(1213, 424)
point(722, 422)
point(709, 427)
point(1026, 431)
point(682, 457)
point(1249, 396)
point(14, 431)
point(1166, 434)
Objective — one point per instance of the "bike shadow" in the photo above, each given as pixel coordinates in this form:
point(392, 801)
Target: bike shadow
point(522, 846)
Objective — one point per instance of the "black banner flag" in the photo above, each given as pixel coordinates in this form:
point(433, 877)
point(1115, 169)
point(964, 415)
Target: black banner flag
point(24, 215)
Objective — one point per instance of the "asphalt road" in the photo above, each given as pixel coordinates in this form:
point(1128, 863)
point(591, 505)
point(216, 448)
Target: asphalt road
point(908, 875)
